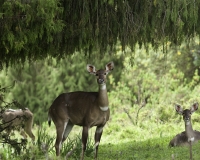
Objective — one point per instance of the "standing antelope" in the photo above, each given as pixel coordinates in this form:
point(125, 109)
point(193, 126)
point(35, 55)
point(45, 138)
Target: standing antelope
point(189, 136)
point(85, 109)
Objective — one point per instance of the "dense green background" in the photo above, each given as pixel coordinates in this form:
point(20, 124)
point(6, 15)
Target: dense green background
point(151, 80)
point(45, 46)
point(154, 78)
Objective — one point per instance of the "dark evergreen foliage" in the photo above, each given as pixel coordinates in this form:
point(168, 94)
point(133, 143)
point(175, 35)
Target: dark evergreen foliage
point(35, 29)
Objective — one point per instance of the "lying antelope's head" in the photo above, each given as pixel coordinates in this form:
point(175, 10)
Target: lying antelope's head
point(102, 73)
point(187, 112)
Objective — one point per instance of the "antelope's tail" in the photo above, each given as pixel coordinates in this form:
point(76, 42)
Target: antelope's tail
point(49, 119)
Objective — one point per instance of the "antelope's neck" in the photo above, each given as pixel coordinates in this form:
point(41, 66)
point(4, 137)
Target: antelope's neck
point(103, 98)
point(189, 130)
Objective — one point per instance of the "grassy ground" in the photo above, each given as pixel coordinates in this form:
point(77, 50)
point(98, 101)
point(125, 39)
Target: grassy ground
point(121, 140)
point(152, 149)
point(147, 142)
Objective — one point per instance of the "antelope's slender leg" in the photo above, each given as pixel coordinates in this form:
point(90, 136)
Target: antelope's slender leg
point(28, 128)
point(29, 132)
point(98, 133)
point(60, 128)
point(67, 131)
point(84, 140)
point(22, 132)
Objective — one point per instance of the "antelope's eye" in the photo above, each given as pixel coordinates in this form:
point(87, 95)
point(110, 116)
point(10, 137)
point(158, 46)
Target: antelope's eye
point(104, 73)
point(97, 74)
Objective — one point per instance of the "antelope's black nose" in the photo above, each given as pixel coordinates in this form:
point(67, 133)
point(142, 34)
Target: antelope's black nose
point(100, 80)
point(187, 118)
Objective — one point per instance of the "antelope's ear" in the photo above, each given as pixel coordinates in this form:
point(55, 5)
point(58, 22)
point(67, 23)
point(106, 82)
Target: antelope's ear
point(178, 109)
point(109, 67)
point(91, 69)
point(194, 107)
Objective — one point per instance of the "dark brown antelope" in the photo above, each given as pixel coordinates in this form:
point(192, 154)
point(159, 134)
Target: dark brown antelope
point(19, 118)
point(85, 109)
point(189, 136)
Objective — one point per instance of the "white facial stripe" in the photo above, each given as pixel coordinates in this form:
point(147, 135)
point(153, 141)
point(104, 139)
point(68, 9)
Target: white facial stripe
point(104, 108)
point(103, 87)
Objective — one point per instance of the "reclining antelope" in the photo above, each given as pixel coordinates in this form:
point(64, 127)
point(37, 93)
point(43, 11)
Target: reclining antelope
point(18, 119)
point(86, 109)
point(189, 136)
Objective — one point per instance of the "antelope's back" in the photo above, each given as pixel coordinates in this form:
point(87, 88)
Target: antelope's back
point(16, 116)
point(179, 140)
point(77, 106)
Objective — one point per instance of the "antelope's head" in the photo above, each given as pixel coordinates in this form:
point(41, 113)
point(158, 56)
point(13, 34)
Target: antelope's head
point(102, 73)
point(187, 112)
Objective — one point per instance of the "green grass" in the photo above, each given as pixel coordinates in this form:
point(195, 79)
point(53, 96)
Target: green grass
point(151, 149)
point(147, 141)
point(121, 140)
